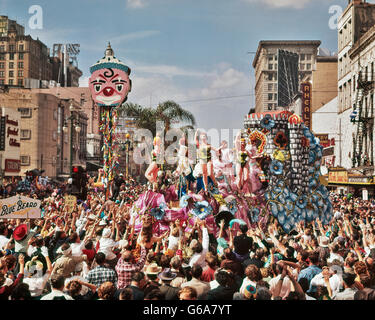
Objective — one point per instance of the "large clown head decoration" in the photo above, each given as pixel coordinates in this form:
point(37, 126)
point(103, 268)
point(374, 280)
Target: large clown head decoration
point(109, 82)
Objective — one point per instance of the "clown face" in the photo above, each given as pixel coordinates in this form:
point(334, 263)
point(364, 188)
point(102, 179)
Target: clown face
point(109, 87)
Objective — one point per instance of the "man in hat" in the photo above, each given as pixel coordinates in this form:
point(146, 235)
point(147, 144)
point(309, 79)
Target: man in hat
point(152, 270)
point(171, 293)
point(66, 264)
point(21, 236)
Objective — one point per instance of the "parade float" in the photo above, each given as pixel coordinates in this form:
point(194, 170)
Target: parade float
point(272, 173)
point(277, 161)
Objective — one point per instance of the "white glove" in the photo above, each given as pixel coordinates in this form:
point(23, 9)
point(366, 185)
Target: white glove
point(44, 251)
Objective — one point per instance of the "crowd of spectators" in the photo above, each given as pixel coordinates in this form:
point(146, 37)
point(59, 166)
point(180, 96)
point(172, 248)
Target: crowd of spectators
point(92, 252)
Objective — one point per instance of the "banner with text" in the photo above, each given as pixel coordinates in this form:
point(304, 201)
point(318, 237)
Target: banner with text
point(20, 207)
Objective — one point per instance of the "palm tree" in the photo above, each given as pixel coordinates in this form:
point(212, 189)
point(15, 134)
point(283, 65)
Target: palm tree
point(169, 112)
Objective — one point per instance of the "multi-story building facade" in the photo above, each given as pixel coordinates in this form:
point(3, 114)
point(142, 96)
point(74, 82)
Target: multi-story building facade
point(324, 81)
point(43, 143)
point(22, 57)
point(82, 96)
point(265, 64)
point(355, 62)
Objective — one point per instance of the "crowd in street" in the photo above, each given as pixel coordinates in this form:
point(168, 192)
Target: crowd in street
point(92, 252)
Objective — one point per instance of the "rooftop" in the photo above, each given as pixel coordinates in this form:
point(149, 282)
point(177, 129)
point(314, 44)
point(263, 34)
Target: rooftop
point(280, 43)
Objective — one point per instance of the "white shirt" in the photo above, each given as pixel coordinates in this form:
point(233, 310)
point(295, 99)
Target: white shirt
point(77, 248)
point(334, 281)
point(199, 258)
point(334, 256)
point(105, 246)
point(56, 293)
point(246, 282)
point(173, 242)
point(3, 241)
point(36, 284)
point(286, 287)
point(347, 294)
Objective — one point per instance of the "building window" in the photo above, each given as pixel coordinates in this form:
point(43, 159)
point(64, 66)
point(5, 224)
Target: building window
point(21, 47)
point(308, 66)
point(54, 114)
point(2, 74)
point(54, 136)
point(270, 66)
point(302, 66)
point(270, 96)
point(308, 57)
point(11, 56)
point(2, 81)
point(2, 65)
point(25, 134)
point(11, 73)
point(20, 56)
point(20, 82)
point(11, 65)
point(12, 48)
point(20, 73)
point(270, 76)
point(302, 57)
point(270, 86)
point(270, 57)
point(25, 160)
point(275, 96)
point(10, 82)
point(2, 48)
point(270, 105)
point(2, 56)
point(20, 65)
point(25, 112)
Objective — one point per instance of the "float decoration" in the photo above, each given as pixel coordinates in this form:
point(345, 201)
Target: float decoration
point(109, 85)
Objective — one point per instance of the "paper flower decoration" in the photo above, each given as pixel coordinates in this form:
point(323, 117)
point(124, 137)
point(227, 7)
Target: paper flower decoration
point(267, 122)
point(212, 189)
point(184, 201)
point(202, 209)
point(219, 198)
point(301, 202)
point(280, 140)
point(253, 215)
point(158, 212)
point(276, 167)
point(232, 206)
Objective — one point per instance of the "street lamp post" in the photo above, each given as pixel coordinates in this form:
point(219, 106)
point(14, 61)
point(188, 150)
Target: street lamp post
point(73, 123)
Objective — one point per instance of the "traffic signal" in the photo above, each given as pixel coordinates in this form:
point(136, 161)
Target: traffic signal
point(79, 180)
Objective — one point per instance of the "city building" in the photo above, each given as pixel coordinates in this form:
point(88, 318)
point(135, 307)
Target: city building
point(43, 143)
point(9, 142)
point(83, 96)
point(324, 81)
point(22, 57)
point(266, 65)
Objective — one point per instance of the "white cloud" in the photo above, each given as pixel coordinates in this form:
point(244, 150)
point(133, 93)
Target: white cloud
point(134, 36)
point(169, 71)
point(296, 4)
point(136, 4)
point(218, 100)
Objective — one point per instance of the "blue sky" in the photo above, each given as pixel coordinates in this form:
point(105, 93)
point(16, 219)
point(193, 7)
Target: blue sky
point(190, 51)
